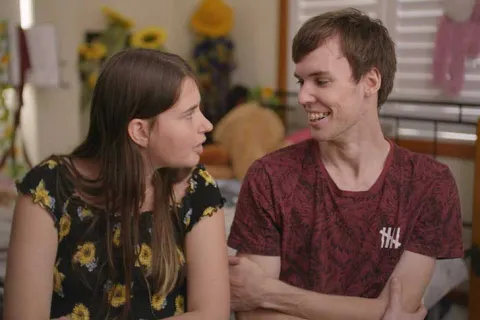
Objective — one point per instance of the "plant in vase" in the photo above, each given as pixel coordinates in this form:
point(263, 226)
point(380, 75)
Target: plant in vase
point(117, 35)
point(213, 54)
point(266, 97)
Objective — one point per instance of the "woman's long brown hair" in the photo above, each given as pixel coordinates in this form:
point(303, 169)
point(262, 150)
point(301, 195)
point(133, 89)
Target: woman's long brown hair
point(134, 84)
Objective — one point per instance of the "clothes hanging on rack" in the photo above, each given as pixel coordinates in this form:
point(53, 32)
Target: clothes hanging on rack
point(456, 41)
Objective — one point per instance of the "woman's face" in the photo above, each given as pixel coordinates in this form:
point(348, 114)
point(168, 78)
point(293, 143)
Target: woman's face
point(177, 135)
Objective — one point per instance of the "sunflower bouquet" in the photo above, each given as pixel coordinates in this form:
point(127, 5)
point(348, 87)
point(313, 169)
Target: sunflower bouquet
point(117, 36)
point(213, 54)
point(265, 96)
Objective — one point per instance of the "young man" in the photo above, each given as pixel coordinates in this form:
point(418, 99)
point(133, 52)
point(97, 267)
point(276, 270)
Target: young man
point(323, 226)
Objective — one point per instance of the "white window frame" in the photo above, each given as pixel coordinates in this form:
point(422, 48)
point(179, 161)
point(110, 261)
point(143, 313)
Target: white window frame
point(459, 107)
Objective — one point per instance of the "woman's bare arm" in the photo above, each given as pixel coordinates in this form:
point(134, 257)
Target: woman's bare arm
point(31, 259)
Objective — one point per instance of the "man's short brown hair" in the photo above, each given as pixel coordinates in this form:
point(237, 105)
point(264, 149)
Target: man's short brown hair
point(365, 43)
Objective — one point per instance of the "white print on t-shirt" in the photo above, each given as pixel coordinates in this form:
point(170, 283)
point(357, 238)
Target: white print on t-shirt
point(390, 238)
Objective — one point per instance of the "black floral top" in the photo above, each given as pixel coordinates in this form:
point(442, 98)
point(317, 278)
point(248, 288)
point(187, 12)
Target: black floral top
point(80, 254)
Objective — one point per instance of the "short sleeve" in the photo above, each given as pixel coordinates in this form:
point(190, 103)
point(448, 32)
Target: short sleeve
point(438, 229)
point(40, 183)
point(254, 229)
point(206, 197)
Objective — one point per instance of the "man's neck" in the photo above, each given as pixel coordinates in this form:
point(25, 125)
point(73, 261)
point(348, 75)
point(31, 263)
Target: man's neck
point(355, 160)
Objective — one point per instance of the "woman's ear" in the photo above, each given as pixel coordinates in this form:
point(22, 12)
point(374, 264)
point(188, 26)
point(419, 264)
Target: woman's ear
point(138, 130)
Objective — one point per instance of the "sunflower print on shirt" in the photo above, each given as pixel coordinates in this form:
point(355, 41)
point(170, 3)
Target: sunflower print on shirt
point(85, 256)
point(42, 196)
point(80, 253)
point(58, 278)
point(80, 312)
point(179, 305)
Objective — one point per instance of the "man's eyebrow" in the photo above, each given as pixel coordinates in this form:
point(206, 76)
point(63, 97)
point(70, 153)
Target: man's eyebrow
point(314, 74)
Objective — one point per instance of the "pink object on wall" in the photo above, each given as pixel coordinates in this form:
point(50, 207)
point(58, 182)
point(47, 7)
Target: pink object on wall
point(473, 50)
point(455, 42)
point(299, 136)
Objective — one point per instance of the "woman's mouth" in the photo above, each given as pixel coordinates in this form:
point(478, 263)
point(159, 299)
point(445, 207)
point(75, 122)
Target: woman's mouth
point(199, 147)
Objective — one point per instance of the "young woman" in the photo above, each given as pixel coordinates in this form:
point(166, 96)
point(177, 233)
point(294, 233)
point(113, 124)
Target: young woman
point(129, 225)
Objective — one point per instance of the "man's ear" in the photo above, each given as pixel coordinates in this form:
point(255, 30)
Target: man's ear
point(138, 130)
point(373, 81)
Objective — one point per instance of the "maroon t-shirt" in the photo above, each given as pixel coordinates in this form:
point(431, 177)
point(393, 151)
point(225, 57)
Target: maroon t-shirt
point(343, 242)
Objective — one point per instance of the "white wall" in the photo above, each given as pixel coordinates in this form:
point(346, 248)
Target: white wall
point(54, 122)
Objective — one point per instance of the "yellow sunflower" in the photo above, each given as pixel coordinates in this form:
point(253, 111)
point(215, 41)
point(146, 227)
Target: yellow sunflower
point(188, 217)
point(213, 18)
point(266, 93)
point(116, 236)
point(207, 177)
point(193, 186)
point(145, 256)
point(80, 312)
point(181, 256)
point(50, 163)
point(92, 51)
point(84, 213)
point(117, 295)
point(42, 196)
point(64, 226)
point(208, 212)
point(158, 302)
point(115, 17)
point(85, 254)
point(149, 38)
point(92, 79)
point(58, 278)
point(179, 305)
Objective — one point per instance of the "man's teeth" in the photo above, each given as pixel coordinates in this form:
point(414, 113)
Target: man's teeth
point(314, 116)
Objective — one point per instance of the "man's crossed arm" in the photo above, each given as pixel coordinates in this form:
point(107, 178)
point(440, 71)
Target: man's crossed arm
point(256, 293)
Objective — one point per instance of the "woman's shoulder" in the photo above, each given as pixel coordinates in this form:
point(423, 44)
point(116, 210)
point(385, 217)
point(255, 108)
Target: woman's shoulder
point(205, 195)
point(42, 182)
point(200, 176)
point(43, 172)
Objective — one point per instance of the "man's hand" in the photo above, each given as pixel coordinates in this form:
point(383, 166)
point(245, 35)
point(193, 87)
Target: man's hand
point(246, 279)
point(394, 309)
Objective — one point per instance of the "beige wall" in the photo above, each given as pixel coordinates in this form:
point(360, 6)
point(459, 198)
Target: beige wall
point(53, 120)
